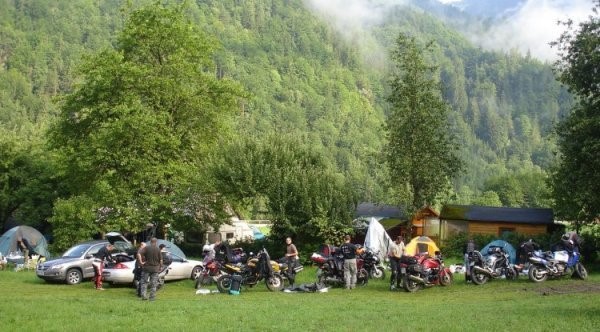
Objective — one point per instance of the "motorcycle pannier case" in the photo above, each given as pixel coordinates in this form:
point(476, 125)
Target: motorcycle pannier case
point(236, 285)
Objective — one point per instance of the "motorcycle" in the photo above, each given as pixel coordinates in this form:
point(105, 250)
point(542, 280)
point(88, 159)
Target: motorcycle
point(372, 264)
point(495, 265)
point(425, 272)
point(211, 271)
point(555, 264)
point(330, 270)
point(258, 267)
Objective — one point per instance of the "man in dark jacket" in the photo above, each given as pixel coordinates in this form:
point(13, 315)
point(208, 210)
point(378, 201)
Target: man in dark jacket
point(102, 256)
point(151, 259)
point(349, 251)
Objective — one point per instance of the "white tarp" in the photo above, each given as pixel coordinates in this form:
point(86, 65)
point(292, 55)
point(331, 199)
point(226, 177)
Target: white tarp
point(377, 238)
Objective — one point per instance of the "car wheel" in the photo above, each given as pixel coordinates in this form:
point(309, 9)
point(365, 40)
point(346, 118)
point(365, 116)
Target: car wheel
point(74, 277)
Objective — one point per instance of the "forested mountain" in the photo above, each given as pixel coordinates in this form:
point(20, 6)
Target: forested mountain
point(304, 79)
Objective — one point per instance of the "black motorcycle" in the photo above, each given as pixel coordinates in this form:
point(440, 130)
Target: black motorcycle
point(493, 266)
point(258, 268)
point(372, 264)
point(330, 270)
point(288, 269)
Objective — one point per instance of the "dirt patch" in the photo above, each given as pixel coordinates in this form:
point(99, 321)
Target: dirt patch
point(566, 289)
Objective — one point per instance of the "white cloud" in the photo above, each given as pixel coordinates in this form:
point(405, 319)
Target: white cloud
point(534, 26)
point(531, 29)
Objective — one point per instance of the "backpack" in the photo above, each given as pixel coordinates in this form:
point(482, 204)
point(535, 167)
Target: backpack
point(236, 284)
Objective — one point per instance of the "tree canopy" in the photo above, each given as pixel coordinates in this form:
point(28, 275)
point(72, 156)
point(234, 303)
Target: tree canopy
point(421, 150)
point(575, 180)
point(136, 129)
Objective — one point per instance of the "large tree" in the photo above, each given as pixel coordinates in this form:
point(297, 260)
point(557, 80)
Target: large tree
point(136, 129)
point(299, 189)
point(576, 179)
point(421, 150)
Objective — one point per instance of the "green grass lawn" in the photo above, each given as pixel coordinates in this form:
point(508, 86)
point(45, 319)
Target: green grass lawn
point(30, 304)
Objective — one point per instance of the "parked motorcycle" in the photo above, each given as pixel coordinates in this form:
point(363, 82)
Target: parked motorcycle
point(211, 271)
point(372, 264)
point(330, 269)
point(495, 265)
point(555, 264)
point(425, 272)
point(257, 268)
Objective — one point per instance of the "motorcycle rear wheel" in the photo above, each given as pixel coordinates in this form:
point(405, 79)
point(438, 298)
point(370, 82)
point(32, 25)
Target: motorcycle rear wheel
point(362, 277)
point(410, 286)
point(479, 278)
point(536, 275)
point(580, 271)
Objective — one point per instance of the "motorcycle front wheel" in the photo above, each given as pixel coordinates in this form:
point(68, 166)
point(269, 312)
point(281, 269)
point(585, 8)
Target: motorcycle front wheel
point(378, 273)
point(536, 274)
point(446, 279)
point(479, 278)
point(580, 271)
point(512, 274)
point(274, 283)
point(224, 283)
point(410, 286)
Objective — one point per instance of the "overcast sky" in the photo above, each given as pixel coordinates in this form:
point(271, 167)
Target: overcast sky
point(531, 29)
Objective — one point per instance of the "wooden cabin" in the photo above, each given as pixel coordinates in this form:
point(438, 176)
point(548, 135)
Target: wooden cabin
point(425, 222)
point(392, 218)
point(494, 220)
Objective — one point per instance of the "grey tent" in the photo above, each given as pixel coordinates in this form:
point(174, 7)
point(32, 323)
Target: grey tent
point(37, 242)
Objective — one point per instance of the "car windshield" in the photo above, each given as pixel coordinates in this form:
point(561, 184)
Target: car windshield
point(76, 251)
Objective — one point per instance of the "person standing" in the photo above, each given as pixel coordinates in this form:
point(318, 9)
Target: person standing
point(102, 256)
point(151, 260)
point(397, 250)
point(291, 255)
point(348, 250)
point(137, 272)
point(23, 245)
point(469, 248)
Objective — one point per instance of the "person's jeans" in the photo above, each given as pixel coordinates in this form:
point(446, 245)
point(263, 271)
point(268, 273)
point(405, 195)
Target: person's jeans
point(350, 272)
point(152, 279)
point(98, 268)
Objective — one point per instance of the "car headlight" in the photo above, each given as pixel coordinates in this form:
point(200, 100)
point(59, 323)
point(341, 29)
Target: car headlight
point(56, 267)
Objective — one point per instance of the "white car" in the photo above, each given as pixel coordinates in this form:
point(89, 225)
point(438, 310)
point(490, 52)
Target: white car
point(179, 269)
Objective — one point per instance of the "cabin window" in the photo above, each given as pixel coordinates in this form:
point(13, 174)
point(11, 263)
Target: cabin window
point(229, 236)
point(504, 232)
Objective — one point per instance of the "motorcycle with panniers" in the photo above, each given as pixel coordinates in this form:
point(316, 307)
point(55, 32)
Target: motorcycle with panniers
point(259, 267)
point(496, 264)
point(424, 271)
point(544, 264)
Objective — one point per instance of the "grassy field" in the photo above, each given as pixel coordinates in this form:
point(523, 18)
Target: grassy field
point(30, 304)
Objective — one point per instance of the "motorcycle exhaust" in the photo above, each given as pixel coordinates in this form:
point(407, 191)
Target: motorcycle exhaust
point(417, 279)
point(482, 270)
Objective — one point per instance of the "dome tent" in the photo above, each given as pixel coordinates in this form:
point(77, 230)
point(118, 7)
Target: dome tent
point(421, 244)
point(37, 242)
point(507, 247)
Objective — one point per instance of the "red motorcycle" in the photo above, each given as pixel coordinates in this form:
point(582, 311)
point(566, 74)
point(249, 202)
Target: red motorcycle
point(425, 271)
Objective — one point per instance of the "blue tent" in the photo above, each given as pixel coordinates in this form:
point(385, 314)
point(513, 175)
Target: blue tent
point(37, 242)
point(258, 235)
point(507, 247)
